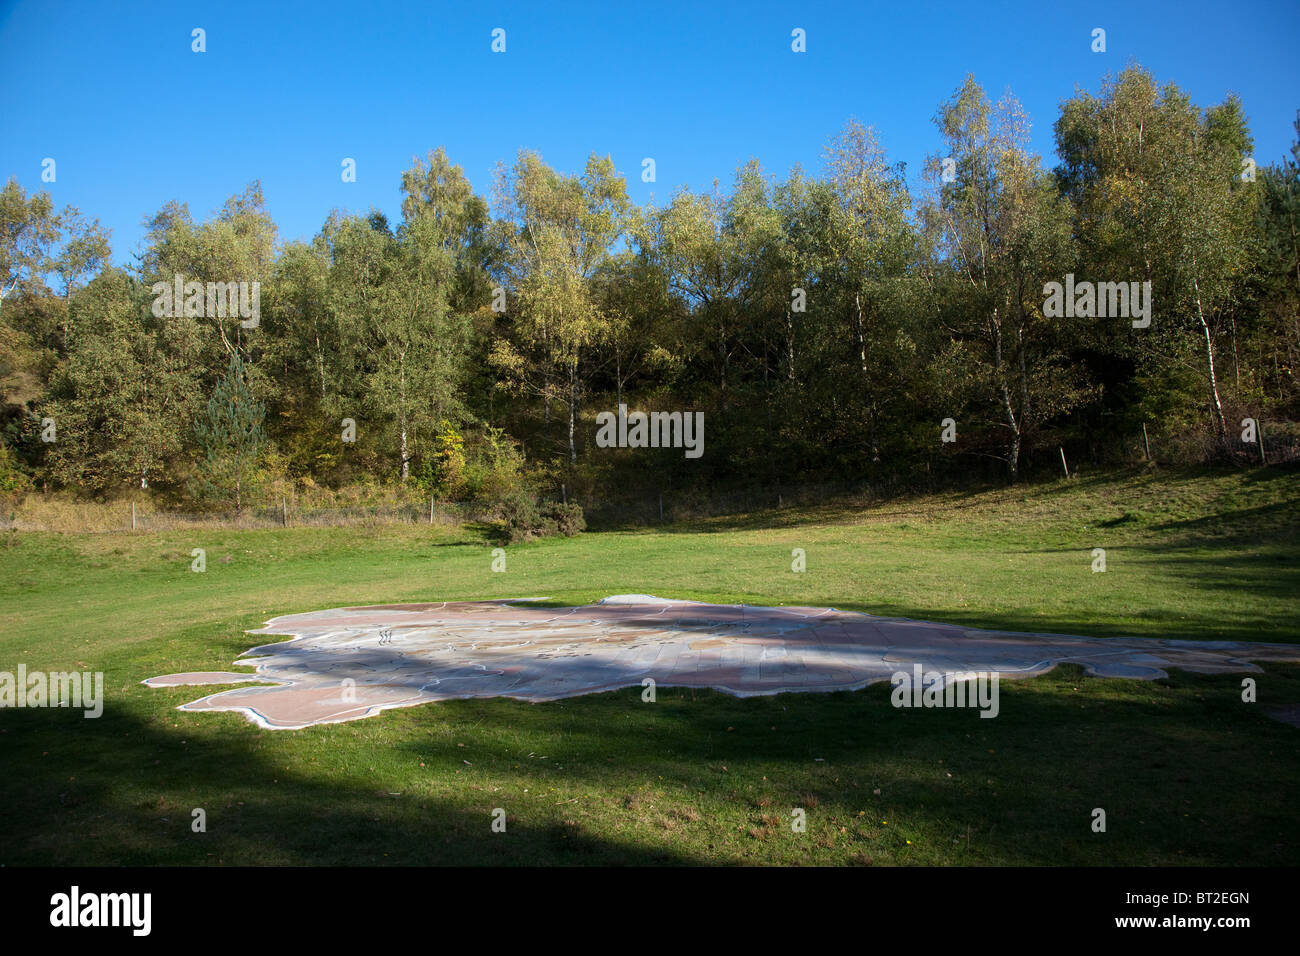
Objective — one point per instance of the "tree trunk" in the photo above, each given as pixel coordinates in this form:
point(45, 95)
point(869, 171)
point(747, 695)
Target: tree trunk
point(789, 345)
point(320, 364)
point(546, 382)
point(573, 411)
point(1025, 410)
point(1209, 358)
point(1013, 448)
point(406, 458)
point(722, 358)
point(862, 340)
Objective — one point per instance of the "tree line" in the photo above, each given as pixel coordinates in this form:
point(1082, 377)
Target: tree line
point(830, 326)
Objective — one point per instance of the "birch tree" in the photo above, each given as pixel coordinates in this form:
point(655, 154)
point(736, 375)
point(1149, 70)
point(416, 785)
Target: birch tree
point(560, 233)
point(1005, 233)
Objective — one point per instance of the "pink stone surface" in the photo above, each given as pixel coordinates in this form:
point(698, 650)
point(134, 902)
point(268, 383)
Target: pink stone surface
point(352, 662)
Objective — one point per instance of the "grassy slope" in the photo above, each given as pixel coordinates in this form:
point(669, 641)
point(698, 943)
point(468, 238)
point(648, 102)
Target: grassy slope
point(1186, 772)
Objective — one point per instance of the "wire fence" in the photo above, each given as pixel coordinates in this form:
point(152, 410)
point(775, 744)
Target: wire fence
point(110, 518)
point(624, 506)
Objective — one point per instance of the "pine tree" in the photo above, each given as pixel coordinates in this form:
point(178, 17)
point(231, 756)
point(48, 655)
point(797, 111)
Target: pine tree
point(231, 435)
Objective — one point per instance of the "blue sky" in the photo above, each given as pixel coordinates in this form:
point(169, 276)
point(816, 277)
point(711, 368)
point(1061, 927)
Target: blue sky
point(134, 118)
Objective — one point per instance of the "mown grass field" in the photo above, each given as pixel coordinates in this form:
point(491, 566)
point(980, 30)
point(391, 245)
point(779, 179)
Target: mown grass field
point(1187, 772)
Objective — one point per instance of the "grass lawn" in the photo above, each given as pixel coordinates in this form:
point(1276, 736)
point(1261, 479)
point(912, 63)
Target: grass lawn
point(1187, 772)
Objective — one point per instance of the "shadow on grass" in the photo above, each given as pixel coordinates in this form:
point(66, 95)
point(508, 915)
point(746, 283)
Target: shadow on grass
point(1095, 621)
point(840, 509)
point(1241, 527)
point(1166, 760)
point(120, 791)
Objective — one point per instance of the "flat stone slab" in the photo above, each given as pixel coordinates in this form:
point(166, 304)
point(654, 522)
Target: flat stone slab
point(352, 662)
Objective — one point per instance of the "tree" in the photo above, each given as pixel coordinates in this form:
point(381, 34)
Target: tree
point(231, 436)
point(644, 324)
point(869, 246)
point(235, 245)
point(710, 248)
point(1276, 296)
point(28, 230)
point(122, 399)
point(1005, 232)
point(437, 193)
point(1156, 185)
point(402, 345)
point(559, 234)
point(85, 249)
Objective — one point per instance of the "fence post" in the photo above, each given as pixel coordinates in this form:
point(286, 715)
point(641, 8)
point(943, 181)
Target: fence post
point(431, 510)
point(564, 493)
point(1063, 464)
point(284, 513)
point(133, 516)
point(1145, 442)
point(1259, 431)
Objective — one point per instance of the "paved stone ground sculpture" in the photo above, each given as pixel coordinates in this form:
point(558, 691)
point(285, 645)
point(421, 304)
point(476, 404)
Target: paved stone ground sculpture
point(352, 662)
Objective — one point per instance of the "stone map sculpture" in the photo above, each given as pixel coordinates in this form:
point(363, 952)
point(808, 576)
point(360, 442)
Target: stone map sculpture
point(352, 662)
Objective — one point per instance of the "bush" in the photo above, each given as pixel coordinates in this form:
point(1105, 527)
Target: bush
point(13, 480)
point(522, 517)
point(525, 519)
point(568, 519)
point(497, 470)
point(443, 473)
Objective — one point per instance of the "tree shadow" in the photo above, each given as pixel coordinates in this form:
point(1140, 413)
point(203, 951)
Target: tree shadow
point(1164, 759)
point(120, 790)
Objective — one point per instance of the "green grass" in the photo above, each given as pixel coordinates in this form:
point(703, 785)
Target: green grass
point(1187, 773)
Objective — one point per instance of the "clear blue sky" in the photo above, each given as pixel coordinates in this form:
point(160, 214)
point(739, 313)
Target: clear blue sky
point(133, 118)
